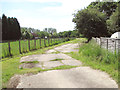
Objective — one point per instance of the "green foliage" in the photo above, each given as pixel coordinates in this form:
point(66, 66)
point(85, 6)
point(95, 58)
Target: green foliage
point(10, 28)
point(90, 23)
point(69, 34)
point(58, 59)
point(51, 31)
point(114, 22)
point(105, 6)
point(31, 62)
point(92, 50)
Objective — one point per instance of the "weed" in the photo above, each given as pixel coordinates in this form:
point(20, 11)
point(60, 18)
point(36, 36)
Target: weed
point(31, 62)
point(58, 59)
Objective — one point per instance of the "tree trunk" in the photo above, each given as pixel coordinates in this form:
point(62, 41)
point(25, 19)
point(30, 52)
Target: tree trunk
point(88, 40)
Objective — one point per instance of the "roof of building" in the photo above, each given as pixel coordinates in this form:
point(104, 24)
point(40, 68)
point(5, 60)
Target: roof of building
point(34, 34)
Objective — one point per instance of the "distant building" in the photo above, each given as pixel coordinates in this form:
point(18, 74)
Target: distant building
point(35, 36)
point(116, 35)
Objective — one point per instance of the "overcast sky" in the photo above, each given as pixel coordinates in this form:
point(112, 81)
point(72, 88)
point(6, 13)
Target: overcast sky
point(40, 14)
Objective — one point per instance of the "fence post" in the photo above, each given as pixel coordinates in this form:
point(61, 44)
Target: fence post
point(54, 40)
point(48, 41)
point(51, 40)
point(29, 44)
point(107, 44)
point(9, 48)
point(44, 42)
point(35, 43)
point(26, 46)
point(100, 42)
point(115, 44)
point(40, 42)
point(20, 47)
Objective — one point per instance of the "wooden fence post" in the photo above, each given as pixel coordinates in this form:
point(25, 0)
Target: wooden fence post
point(44, 42)
point(20, 47)
point(9, 48)
point(35, 43)
point(26, 45)
point(107, 44)
point(48, 41)
point(51, 40)
point(100, 42)
point(29, 44)
point(40, 42)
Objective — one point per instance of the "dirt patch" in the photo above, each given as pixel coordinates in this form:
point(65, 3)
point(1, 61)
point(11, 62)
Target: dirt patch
point(14, 81)
point(28, 65)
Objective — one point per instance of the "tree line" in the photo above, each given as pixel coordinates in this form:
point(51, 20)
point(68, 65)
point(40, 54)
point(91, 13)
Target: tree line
point(99, 19)
point(10, 28)
point(29, 33)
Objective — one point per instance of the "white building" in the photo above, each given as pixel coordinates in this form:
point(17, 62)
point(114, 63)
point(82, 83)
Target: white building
point(116, 35)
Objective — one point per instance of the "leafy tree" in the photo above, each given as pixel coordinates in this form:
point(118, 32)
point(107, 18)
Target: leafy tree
point(90, 23)
point(74, 33)
point(43, 34)
point(105, 6)
point(51, 31)
point(114, 22)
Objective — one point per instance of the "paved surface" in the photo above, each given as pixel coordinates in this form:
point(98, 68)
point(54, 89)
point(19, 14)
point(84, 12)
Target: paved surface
point(45, 60)
point(80, 77)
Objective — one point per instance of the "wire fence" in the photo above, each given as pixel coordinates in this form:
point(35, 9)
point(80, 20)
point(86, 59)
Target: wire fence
point(11, 48)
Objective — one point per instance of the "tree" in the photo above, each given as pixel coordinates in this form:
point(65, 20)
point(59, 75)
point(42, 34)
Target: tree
point(10, 28)
point(114, 22)
point(51, 31)
point(74, 33)
point(0, 29)
point(4, 27)
point(105, 6)
point(90, 23)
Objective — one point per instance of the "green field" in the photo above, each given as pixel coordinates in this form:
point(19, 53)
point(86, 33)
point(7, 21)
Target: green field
point(24, 44)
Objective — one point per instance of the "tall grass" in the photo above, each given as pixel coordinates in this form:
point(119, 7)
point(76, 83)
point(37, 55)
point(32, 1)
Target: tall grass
point(94, 52)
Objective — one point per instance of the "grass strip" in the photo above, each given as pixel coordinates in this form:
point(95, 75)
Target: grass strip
point(58, 59)
point(31, 62)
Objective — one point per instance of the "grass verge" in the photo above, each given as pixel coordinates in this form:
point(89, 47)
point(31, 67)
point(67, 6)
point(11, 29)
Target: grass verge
point(92, 55)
